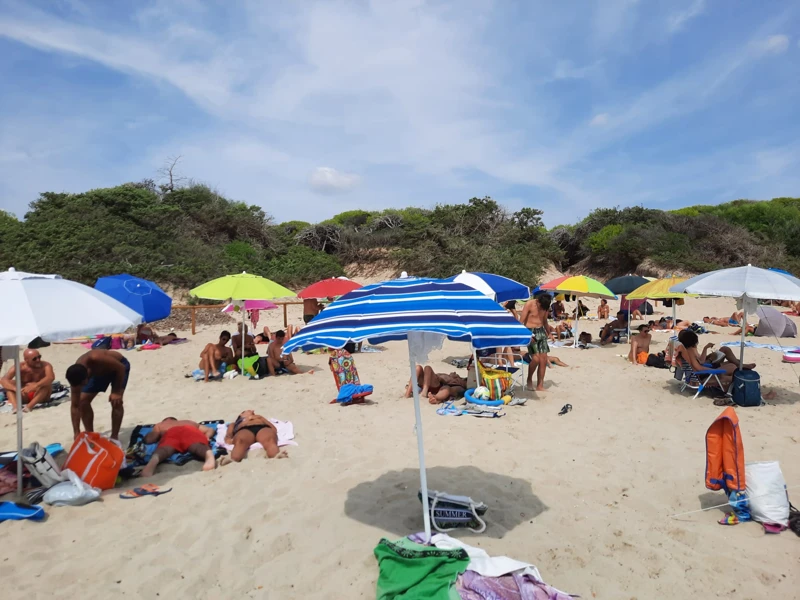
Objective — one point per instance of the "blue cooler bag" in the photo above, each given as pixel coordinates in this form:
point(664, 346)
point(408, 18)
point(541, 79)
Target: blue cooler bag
point(746, 388)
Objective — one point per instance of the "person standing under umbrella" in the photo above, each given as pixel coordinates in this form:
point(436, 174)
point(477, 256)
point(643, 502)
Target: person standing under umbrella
point(534, 317)
point(91, 374)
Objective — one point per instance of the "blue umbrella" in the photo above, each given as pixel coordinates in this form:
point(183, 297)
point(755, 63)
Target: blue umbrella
point(406, 309)
point(497, 287)
point(140, 295)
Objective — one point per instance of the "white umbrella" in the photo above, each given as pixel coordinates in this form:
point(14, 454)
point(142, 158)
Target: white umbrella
point(54, 309)
point(747, 284)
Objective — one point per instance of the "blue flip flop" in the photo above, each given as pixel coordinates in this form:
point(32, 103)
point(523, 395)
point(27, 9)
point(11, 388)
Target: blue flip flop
point(18, 511)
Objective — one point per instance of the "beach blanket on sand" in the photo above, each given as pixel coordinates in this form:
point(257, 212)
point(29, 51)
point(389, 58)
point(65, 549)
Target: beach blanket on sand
point(775, 347)
point(285, 435)
point(138, 453)
point(410, 570)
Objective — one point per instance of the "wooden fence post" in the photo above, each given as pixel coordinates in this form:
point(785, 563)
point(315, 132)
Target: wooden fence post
point(193, 320)
point(285, 316)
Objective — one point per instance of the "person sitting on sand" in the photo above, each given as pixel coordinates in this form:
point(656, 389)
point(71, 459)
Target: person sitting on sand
point(581, 310)
point(607, 334)
point(276, 359)
point(584, 339)
point(603, 309)
point(687, 351)
point(174, 436)
point(640, 346)
point(37, 379)
point(91, 374)
point(213, 355)
point(558, 310)
point(749, 330)
point(248, 429)
point(249, 344)
point(437, 387)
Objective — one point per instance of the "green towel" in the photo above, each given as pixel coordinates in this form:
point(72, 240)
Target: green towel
point(410, 571)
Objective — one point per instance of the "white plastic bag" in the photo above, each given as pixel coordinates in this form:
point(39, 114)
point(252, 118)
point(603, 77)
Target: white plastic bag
point(73, 492)
point(766, 492)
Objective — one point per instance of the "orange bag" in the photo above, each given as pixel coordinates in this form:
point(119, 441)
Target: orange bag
point(725, 454)
point(95, 459)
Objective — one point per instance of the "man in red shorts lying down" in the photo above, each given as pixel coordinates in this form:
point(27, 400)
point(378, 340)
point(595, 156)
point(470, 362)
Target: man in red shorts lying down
point(174, 436)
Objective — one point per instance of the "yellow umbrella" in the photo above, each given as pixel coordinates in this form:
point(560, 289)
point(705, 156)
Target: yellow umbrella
point(659, 290)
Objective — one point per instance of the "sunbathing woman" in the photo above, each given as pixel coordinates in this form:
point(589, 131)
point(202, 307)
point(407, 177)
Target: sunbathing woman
point(688, 352)
point(248, 429)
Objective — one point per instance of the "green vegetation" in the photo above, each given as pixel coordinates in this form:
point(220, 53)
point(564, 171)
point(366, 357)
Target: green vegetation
point(187, 235)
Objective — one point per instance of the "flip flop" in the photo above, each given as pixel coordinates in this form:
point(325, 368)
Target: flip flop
point(565, 409)
point(147, 489)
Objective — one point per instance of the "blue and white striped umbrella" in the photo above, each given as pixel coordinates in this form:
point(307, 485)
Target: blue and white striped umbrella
point(497, 287)
point(388, 311)
point(410, 307)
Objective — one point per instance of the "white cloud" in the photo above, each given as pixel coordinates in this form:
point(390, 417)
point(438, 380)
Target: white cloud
point(677, 21)
point(774, 44)
point(326, 180)
point(599, 120)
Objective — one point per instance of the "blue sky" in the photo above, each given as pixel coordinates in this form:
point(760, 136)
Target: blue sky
point(312, 108)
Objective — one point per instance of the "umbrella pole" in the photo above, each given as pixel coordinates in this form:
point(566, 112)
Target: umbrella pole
point(674, 312)
point(423, 476)
point(20, 403)
point(477, 370)
point(577, 325)
point(744, 333)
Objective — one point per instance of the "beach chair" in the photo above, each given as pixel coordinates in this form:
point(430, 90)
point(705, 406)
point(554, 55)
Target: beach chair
point(344, 372)
point(696, 380)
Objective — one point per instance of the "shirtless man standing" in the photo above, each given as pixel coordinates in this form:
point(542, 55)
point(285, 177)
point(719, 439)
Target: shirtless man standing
point(214, 354)
point(534, 317)
point(37, 379)
point(174, 436)
point(91, 374)
point(640, 346)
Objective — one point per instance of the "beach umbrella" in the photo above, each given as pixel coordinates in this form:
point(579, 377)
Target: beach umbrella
point(625, 284)
point(746, 284)
point(329, 288)
point(242, 286)
point(420, 311)
point(54, 309)
point(141, 295)
point(773, 323)
point(659, 289)
point(497, 287)
point(578, 285)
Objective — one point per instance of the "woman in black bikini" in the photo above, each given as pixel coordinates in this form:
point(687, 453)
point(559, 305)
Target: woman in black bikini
point(248, 429)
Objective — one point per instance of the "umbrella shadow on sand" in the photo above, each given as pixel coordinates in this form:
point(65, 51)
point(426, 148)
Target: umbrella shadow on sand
point(390, 502)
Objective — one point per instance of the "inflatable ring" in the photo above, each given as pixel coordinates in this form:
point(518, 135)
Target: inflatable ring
point(469, 398)
point(791, 357)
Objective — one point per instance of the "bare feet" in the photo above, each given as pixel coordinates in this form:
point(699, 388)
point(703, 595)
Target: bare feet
point(282, 454)
point(225, 460)
point(749, 366)
point(211, 463)
point(540, 388)
point(147, 471)
point(433, 399)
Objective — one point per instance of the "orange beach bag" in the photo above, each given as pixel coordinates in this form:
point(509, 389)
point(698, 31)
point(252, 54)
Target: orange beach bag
point(725, 453)
point(95, 459)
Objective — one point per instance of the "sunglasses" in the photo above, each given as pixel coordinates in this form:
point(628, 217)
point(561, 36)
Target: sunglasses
point(36, 358)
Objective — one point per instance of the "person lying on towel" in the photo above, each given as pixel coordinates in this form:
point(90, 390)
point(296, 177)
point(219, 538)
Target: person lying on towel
point(174, 436)
point(37, 379)
point(276, 359)
point(640, 346)
point(732, 321)
point(437, 387)
point(248, 429)
point(213, 355)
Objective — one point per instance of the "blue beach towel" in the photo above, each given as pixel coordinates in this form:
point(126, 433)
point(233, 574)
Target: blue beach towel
point(348, 390)
point(12, 511)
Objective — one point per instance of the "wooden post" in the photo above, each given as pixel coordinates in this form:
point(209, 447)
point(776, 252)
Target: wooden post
point(285, 316)
point(193, 319)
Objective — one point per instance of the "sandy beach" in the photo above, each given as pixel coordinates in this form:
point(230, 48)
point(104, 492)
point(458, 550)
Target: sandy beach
point(586, 497)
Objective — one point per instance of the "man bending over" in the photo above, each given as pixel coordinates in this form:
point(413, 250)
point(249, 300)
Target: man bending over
point(91, 374)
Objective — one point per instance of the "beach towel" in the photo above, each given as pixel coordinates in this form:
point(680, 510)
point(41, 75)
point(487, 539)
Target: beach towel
point(725, 468)
point(139, 454)
point(345, 373)
point(775, 347)
point(12, 511)
point(350, 392)
point(409, 570)
point(285, 435)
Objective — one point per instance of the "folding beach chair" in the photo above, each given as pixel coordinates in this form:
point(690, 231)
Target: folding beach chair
point(344, 372)
point(696, 380)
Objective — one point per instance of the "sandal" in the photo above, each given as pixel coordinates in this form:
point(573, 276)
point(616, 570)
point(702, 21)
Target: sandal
point(565, 409)
point(147, 489)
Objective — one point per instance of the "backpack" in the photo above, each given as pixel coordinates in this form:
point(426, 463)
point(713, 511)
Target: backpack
point(103, 343)
point(41, 465)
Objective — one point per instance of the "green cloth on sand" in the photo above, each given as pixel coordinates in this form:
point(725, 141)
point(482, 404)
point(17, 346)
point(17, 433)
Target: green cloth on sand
point(410, 571)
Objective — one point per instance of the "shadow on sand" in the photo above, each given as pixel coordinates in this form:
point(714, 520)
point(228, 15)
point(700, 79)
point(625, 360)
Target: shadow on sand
point(390, 502)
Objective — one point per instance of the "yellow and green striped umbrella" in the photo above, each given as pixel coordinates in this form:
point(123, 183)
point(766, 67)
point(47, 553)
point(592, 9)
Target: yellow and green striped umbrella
point(578, 285)
point(659, 290)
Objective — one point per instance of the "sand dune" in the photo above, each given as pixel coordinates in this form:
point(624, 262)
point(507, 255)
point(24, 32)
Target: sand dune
point(585, 496)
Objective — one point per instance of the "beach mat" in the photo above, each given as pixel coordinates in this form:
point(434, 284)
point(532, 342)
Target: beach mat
point(139, 454)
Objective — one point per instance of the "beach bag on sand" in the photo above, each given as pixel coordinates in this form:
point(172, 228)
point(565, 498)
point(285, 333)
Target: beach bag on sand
point(766, 493)
point(73, 492)
point(96, 460)
point(449, 512)
point(725, 467)
point(41, 465)
point(657, 361)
